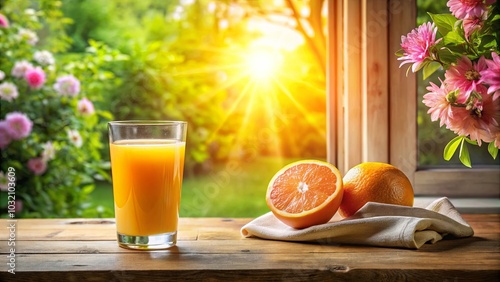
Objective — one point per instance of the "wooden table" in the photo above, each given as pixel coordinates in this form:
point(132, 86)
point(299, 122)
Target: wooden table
point(212, 248)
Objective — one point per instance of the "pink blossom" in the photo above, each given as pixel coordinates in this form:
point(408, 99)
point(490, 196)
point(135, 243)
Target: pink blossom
point(497, 140)
point(436, 100)
point(464, 9)
point(75, 138)
point(466, 76)
point(44, 58)
point(417, 44)
point(67, 85)
point(85, 107)
point(27, 35)
point(4, 22)
point(18, 205)
point(20, 68)
point(491, 75)
point(18, 125)
point(35, 77)
point(37, 165)
point(480, 123)
point(49, 152)
point(5, 138)
point(473, 24)
point(8, 91)
point(2, 75)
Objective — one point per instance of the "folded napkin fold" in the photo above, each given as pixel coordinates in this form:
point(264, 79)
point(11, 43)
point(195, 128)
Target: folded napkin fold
point(374, 224)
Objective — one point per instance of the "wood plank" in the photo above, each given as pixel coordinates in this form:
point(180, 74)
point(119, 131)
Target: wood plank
point(334, 84)
point(189, 228)
point(328, 273)
point(165, 260)
point(489, 243)
point(375, 89)
point(403, 92)
point(484, 182)
point(352, 59)
point(78, 229)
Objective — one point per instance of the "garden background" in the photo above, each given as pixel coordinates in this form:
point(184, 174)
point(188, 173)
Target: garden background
point(248, 76)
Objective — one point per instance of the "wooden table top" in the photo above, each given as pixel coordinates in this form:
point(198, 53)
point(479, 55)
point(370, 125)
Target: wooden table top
point(213, 249)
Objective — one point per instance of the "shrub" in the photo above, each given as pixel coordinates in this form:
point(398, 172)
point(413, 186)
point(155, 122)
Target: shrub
point(51, 124)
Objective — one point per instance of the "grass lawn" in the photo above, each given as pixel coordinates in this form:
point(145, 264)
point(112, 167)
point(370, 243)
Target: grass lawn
point(231, 190)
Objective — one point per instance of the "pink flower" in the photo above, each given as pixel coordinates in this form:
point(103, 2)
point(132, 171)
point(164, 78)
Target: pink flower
point(497, 140)
point(480, 123)
point(491, 75)
point(37, 165)
point(417, 44)
point(5, 138)
point(20, 68)
point(4, 22)
point(8, 91)
point(436, 100)
point(35, 77)
point(85, 106)
point(18, 125)
point(44, 58)
point(75, 138)
point(465, 76)
point(67, 85)
point(18, 205)
point(472, 24)
point(27, 35)
point(49, 152)
point(463, 9)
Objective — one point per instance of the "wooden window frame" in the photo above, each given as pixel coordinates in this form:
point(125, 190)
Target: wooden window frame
point(372, 103)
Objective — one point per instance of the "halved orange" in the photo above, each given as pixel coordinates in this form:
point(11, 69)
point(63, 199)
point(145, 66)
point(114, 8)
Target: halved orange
point(305, 193)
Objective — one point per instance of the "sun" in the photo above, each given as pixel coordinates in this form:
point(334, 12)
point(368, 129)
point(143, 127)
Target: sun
point(262, 64)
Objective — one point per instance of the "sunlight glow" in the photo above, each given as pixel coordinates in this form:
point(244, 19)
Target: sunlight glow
point(262, 64)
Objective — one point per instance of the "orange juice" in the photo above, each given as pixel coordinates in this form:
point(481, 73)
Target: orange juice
point(147, 180)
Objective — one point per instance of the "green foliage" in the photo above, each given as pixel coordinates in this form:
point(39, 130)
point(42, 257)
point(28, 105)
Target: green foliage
point(62, 189)
point(463, 153)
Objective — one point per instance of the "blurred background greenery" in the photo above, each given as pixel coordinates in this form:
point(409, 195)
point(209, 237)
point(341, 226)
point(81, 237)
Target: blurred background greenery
point(248, 76)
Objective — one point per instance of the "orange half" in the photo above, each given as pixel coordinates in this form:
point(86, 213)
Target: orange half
point(305, 193)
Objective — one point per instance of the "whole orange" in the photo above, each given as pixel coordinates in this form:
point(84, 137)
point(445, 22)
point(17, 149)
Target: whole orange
point(374, 182)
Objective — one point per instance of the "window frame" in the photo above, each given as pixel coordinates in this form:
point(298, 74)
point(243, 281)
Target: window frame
point(372, 102)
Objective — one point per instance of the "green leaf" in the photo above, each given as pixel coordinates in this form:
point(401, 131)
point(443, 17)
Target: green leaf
point(451, 147)
point(447, 56)
point(444, 22)
point(493, 150)
point(453, 38)
point(400, 53)
point(463, 154)
point(487, 42)
point(430, 68)
point(105, 114)
point(87, 189)
point(470, 141)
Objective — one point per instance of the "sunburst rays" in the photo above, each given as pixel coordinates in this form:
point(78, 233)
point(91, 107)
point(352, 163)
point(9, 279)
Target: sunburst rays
point(261, 84)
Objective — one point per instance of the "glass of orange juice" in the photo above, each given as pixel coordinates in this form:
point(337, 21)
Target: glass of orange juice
point(147, 164)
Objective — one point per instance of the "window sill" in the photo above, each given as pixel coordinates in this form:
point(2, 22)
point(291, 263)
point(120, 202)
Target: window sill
point(465, 205)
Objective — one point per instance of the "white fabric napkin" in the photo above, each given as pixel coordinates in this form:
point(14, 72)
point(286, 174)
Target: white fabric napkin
point(374, 224)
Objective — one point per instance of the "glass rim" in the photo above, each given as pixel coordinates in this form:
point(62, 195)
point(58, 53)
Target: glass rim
point(147, 122)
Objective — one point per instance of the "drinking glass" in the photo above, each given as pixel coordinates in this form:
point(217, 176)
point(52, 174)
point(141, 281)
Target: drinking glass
point(147, 164)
